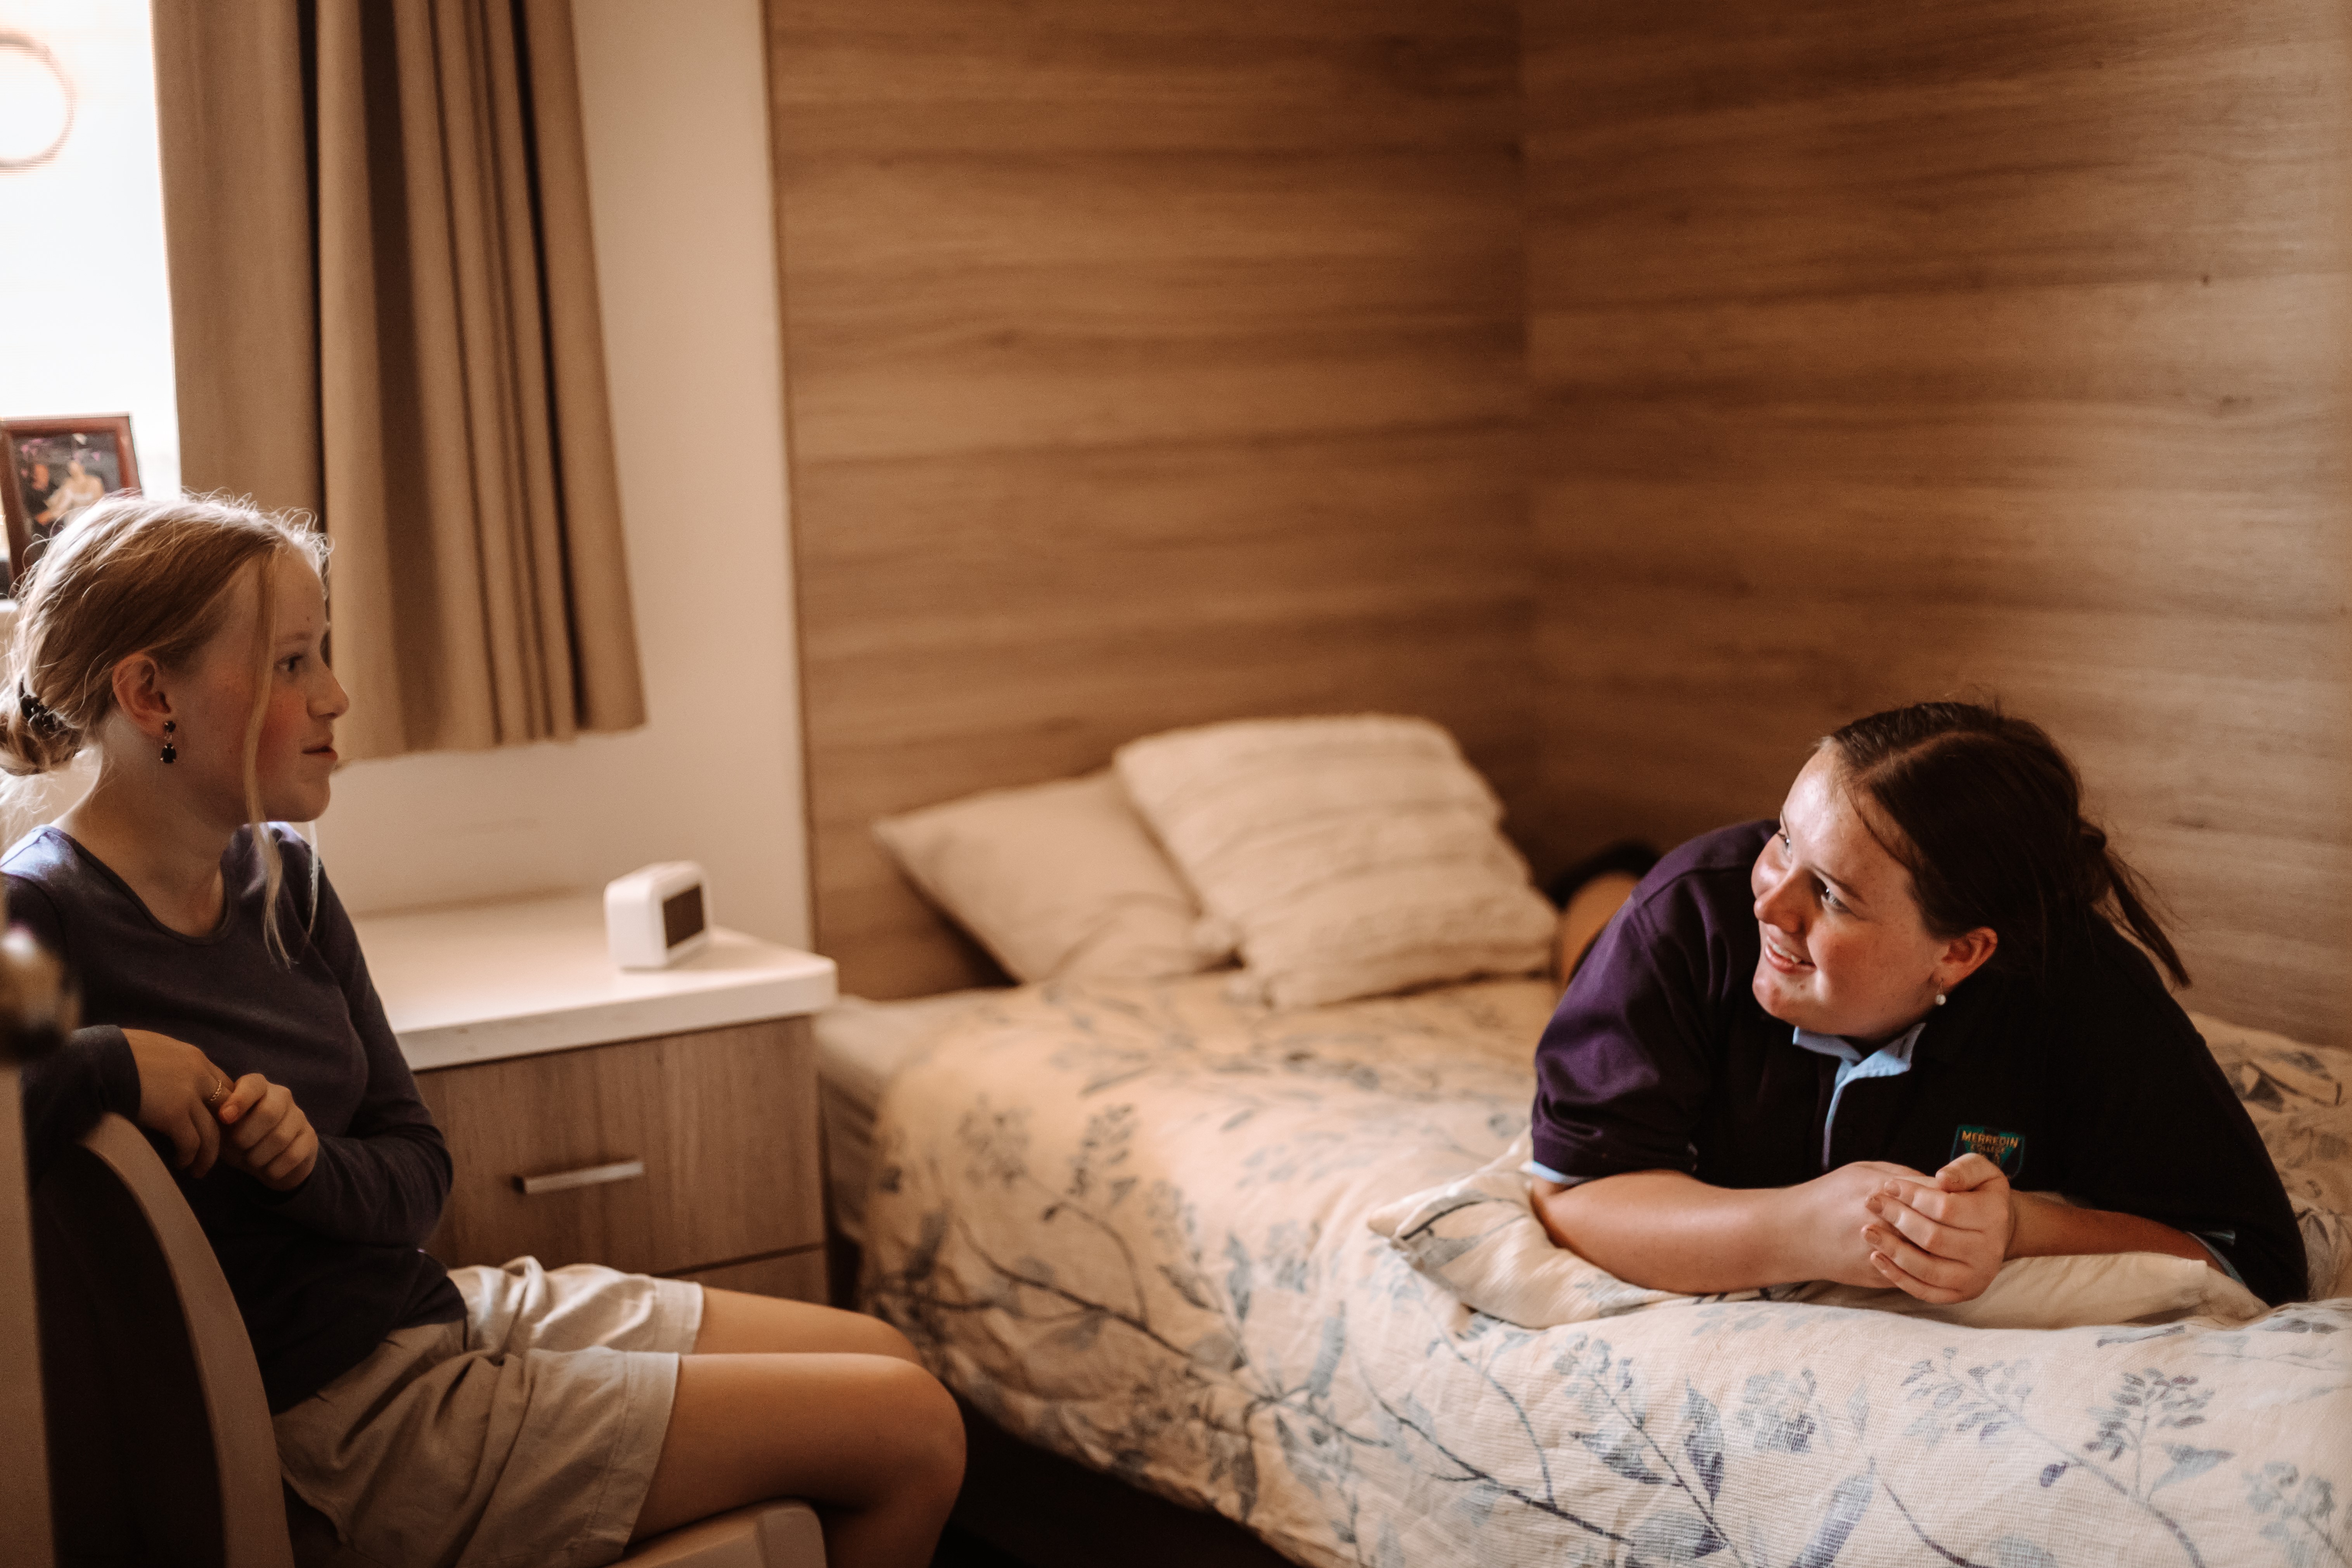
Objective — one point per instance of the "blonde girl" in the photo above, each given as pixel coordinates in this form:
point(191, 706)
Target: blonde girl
point(426, 1416)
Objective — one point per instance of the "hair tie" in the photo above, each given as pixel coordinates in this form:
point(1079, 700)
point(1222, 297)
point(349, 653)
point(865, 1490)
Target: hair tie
point(37, 713)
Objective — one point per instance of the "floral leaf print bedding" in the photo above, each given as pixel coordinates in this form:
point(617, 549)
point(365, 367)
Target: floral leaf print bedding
point(1129, 1224)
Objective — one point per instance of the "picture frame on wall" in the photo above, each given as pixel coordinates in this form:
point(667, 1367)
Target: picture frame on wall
point(55, 468)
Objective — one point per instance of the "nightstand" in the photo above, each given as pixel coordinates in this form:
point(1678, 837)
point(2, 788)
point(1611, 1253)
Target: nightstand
point(662, 1122)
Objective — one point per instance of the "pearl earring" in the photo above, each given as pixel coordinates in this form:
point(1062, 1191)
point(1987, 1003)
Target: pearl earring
point(1939, 998)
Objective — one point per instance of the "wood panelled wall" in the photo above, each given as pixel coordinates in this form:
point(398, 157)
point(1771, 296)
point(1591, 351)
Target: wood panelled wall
point(1155, 364)
point(1149, 364)
point(1883, 351)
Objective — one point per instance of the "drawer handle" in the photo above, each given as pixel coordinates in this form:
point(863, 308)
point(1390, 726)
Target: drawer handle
point(586, 1176)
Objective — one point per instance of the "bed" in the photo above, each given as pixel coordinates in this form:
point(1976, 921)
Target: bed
point(1745, 511)
point(862, 1048)
point(1126, 1221)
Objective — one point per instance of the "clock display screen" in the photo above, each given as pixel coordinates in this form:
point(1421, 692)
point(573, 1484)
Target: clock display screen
point(682, 916)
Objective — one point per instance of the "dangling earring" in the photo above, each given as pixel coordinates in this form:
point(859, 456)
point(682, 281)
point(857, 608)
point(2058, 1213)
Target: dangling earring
point(171, 752)
point(1939, 998)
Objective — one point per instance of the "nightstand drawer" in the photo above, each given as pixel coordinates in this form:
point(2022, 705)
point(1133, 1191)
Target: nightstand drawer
point(654, 1156)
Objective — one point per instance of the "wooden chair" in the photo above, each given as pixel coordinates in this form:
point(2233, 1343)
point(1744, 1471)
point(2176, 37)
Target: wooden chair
point(161, 1449)
point(24, 1454)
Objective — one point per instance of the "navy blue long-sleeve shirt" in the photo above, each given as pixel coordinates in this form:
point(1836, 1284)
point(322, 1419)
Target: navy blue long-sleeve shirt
point(322, 1273)
point(2093, 1084)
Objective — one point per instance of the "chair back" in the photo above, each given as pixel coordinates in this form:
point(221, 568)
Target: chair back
point(23, 1449)
point(162, 1452)
point(37, 1011)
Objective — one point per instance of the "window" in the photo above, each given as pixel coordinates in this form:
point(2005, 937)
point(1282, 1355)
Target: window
point(85, 311)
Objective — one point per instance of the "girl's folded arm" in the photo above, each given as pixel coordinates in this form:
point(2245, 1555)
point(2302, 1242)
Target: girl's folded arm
point(2046, 1229)
point(385, 1188)
point(66, 1091)
point(385, 1179)
point(1666, 1230)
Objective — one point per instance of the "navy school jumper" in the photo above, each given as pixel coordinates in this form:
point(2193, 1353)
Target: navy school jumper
point(2093, 1084)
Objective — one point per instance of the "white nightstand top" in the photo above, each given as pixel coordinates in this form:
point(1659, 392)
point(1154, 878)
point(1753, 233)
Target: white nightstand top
point(478, 982)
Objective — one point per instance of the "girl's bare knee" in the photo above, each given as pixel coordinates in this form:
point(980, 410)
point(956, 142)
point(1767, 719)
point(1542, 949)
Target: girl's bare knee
point(930, 1430)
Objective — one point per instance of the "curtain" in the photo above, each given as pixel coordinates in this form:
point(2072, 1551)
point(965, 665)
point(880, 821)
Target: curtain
point(384, 312)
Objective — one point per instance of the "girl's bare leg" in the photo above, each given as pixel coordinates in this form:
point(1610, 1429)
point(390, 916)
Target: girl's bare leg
point(734, 1322)
point(782, 1399)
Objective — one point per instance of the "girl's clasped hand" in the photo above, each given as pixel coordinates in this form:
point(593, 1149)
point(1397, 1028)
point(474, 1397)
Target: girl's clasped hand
point(1941, 1238)
point(249, 1123)
point(1877, 1223)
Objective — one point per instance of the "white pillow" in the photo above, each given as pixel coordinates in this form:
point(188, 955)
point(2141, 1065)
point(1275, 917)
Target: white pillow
point(1059, 881)
point(1344, 856)
point(1480, 1239)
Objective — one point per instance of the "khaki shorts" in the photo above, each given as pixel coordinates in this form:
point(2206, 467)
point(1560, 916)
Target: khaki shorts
point(526, 1434)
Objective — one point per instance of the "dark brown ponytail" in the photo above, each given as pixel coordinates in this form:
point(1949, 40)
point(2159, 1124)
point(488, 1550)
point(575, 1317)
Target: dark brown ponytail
point(1986, 812)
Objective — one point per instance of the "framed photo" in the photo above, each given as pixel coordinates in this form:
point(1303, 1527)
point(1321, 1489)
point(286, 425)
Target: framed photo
point(55, 468)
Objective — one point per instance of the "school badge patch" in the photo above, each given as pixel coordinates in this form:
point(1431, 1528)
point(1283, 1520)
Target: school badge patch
point(2005, 1149)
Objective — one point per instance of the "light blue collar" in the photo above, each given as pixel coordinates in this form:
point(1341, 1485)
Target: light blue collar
point(1889, 1060)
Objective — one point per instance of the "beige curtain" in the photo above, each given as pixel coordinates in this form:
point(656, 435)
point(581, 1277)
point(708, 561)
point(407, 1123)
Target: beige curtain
point(385, 311)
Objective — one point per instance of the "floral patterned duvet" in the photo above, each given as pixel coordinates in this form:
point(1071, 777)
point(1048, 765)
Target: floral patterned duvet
point(1128, 1222)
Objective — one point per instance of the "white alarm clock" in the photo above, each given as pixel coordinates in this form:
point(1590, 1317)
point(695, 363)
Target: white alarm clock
point(656, 915)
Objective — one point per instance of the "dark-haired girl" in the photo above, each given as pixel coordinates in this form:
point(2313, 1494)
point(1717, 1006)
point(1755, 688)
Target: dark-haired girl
point(1916, 969)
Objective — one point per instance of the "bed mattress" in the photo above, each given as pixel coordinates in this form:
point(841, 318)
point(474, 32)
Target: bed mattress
point(1128, 1224)
point(861, 1046)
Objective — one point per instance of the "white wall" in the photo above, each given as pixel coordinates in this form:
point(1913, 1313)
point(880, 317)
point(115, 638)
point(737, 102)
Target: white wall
point(677, 163)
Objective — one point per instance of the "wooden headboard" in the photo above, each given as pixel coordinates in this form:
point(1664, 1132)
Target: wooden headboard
point(1149, 365)
point(1639, 391)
